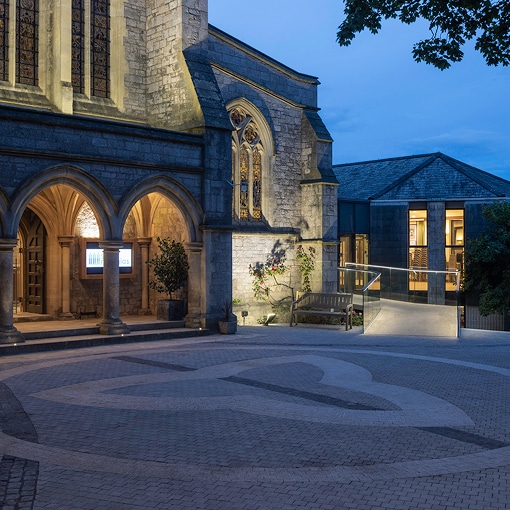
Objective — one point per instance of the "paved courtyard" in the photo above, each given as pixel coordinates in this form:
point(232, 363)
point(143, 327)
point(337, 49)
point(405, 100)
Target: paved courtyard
point(271, 418)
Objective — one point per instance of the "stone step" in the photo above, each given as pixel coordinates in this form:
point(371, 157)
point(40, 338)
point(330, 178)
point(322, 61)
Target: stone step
point(88, 329)
point(84, 338)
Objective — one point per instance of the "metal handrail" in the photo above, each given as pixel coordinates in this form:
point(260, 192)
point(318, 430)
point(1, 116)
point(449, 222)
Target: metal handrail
point(371, 282)
point(414, 270)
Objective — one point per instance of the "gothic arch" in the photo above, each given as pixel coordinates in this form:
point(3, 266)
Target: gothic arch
point(266, 133)
point(253, 152)
point(176, 193)
point(99, 199)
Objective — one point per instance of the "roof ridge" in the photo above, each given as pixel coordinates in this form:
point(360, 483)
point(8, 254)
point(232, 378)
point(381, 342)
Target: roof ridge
point(472, 174)
point(397, 158)
point(407, 175)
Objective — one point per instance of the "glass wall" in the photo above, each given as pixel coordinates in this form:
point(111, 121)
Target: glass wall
point(454, 241)
point(418, 249)
point(354, 248)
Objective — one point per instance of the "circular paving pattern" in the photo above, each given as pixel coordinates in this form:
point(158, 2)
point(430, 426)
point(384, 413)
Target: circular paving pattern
point(258, 413)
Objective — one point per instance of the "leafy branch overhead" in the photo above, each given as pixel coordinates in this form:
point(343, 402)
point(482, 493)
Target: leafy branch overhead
point(451, 25)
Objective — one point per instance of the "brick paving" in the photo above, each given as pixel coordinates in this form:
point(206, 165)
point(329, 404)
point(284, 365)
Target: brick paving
point(270, 418)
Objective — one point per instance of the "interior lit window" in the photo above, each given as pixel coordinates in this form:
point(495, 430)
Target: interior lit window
point(454, 239)
point(418, 256)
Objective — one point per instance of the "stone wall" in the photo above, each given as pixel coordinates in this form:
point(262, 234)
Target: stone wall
point(282, 193)
point(117, 155)
point(258, 249)
point(240, 60)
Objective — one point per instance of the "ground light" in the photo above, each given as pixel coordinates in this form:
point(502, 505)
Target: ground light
point(270, 318)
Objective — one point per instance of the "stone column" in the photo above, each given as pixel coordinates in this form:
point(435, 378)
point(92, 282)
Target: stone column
point(8, 333)
point(436, 219)
point(145, 243)
point(111, 323)
point(61, 88)
point(193, 318)
point(216, 276)
point(65, 243)
point(319, 208)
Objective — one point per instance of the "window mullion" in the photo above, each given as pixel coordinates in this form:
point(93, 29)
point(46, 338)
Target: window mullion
point(250, 186)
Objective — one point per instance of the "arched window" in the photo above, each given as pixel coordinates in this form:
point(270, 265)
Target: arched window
point(25, 53)
point(94, 42)
point(247, 165)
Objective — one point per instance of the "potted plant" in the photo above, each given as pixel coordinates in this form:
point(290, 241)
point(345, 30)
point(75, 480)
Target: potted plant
point(169, 274)
point(228, 324)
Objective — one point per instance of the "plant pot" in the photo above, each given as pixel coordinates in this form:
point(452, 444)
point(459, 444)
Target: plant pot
point(227, 327)
point(170, 309)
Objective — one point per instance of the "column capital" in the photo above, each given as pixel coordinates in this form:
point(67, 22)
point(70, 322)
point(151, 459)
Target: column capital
point(111, 245)
point(8, 244)
point(144, 241)
point(65, 240)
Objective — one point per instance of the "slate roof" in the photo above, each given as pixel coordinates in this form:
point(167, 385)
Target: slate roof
point(423, 177)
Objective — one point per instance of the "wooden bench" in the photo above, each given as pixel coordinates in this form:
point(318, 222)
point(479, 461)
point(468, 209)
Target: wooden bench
point(327, 305)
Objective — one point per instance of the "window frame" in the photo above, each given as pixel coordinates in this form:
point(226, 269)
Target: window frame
point(252, 144)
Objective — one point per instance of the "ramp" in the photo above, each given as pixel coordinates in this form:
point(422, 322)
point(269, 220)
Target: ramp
point(411, 319)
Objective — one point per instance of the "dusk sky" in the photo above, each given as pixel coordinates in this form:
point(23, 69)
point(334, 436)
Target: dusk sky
point(375, 100)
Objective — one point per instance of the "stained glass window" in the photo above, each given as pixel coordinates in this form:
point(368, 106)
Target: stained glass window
point(257, 185)
point(78, 47)
point(246, 167)
point(90, 35)
point(243, 191)
point(27, 24)
point(4, 40)
point(100, 48)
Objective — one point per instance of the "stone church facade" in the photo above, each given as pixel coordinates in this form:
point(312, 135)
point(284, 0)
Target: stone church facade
point(143, 121)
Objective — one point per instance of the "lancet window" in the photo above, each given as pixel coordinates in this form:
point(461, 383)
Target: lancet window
point(247, 158)
point(25, 35)
point(4, 40)
point(91, 47)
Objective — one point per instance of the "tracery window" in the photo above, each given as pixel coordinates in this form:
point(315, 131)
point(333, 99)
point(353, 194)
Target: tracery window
point(27, 28)
point(4, 40)
point(78, 46)
point(25, 53)
point(100, 48)
point(247, 152)
point(96, 41)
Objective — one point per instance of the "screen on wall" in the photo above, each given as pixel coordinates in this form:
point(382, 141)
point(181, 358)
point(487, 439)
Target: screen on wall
point(94, 258)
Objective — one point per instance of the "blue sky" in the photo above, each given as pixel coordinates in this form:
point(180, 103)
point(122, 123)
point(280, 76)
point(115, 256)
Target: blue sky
point(374, 99)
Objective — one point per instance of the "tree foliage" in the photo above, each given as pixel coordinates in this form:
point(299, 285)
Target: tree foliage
point(170, 267)
point(451, 24)
point(488, 261)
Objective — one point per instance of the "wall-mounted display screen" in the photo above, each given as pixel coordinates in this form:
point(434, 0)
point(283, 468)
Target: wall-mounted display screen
point(94, 259)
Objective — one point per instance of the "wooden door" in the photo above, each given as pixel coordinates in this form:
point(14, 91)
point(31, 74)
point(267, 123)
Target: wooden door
point(34, 257)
